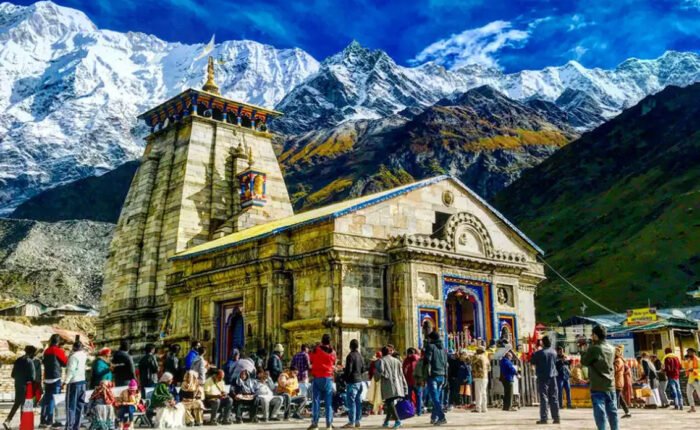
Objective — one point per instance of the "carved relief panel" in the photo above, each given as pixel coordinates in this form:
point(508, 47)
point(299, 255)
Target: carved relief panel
point(426, 286)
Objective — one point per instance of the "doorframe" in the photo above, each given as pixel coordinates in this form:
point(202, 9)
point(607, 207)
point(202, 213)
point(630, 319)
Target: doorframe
point(221, 327)
point(483, 308)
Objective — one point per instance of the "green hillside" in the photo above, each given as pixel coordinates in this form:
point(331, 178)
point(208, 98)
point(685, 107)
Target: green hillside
point(618, 210)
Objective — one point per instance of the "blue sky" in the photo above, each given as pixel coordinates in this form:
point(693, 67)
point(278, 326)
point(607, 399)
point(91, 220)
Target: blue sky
point(512, 35)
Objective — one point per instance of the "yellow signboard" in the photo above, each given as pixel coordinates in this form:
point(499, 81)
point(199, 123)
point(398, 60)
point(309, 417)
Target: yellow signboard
point(640, 316)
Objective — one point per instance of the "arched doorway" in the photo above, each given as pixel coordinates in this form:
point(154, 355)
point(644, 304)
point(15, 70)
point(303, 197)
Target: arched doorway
point(232, 331)
point(461, 317)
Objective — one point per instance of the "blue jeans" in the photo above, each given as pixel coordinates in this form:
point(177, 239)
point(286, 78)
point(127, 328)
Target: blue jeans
point(75, 404)
point(322, 388)
point(547, 388)
point(564, 385)
point(435, 388)
point(419, 398)
point(605, 409)
point(47, 403)
point(353, 402)
point(675, 386)
point(126, 411)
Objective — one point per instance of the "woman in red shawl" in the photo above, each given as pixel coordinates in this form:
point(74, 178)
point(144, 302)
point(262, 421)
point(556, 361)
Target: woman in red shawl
point(101, 407)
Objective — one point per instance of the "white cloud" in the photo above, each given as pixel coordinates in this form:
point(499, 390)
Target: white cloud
point(577, 52)
point(473, 46)
point(691, 4)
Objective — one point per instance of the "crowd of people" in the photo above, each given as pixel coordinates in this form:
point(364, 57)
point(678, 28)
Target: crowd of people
point(175, 391)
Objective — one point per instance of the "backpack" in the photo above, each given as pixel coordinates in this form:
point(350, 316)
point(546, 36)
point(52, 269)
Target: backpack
point(420, 373)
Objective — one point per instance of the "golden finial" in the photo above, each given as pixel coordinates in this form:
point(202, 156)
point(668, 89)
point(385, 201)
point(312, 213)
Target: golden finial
point(250, 157)
point(210, 86)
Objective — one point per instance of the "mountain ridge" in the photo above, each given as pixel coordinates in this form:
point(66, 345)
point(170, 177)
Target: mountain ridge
point(617, 209)
point(68, 109)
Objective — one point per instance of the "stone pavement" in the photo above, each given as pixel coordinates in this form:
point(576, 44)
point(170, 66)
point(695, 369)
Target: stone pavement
point(579, 419)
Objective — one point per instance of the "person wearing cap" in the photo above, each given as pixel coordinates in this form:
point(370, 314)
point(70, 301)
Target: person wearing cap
point(75, 380)
point(692, 369)
point(323, 360)
point(23, 372)
point(545, 362)
point(274, 363)
point(127, 402)
point(599, 356)
point(101, 368)
point(54, 360)
point(480, 374)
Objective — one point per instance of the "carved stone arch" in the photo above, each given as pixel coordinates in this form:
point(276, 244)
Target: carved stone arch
point(465, 223)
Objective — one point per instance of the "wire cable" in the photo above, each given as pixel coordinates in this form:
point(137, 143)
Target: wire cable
point(577, 289)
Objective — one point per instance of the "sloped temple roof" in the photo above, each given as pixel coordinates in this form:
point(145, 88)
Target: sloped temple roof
point(331, 212)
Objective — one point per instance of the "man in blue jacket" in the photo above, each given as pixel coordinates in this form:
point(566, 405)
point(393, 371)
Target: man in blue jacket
point(545, 361)
point(192, 355)
point(508, 375)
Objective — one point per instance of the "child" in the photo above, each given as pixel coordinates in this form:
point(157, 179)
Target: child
point(465, 379)
point(128, 402)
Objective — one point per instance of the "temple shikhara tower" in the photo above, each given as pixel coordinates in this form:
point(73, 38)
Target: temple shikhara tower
point(208, 247)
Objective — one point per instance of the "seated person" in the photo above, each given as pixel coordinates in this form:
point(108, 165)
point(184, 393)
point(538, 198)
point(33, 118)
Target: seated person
point(101, 407)
point(216, 398)
point(270, 403)
point(127, 402)
point(288, 388)
point(191, 395)
point(169, 413)
point(243, 391)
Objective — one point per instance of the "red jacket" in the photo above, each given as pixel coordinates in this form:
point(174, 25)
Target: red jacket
point(672, 366)
point(409, 365)
point(54, 359)
point(322, 361)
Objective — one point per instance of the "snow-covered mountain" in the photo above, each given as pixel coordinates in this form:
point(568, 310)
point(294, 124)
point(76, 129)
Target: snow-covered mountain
point(359, 83)
point(70, 92)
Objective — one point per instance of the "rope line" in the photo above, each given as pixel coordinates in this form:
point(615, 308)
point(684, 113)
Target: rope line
point(577, 289)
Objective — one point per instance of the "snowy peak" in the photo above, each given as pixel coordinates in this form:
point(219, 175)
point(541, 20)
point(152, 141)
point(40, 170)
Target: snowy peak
point(70, 92)
point(42, 23)
point(358, 83)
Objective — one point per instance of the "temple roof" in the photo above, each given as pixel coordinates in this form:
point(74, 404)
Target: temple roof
point(331, 212)
point(176, 105)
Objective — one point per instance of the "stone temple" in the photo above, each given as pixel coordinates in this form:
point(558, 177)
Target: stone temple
point(208, 247)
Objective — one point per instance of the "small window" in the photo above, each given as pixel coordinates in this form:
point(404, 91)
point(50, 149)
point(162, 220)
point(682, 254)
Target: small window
point(440, 223)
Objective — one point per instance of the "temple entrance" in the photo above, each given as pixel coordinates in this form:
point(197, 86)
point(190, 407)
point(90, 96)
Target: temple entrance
point(461, 318)
point(231, 330)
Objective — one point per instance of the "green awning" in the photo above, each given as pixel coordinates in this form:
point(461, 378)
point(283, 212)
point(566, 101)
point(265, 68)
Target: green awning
point(675, 323)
